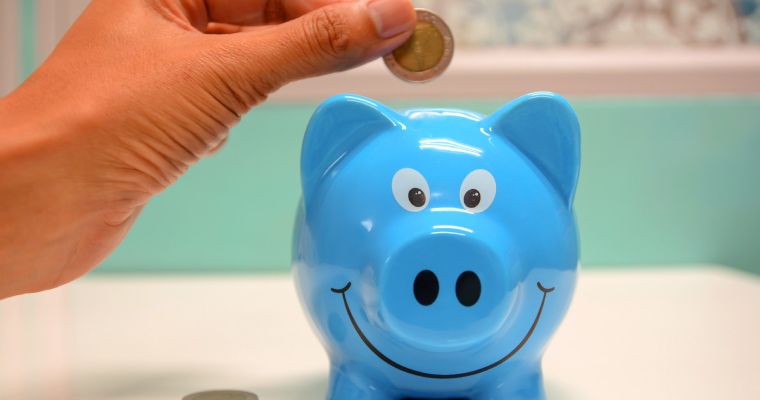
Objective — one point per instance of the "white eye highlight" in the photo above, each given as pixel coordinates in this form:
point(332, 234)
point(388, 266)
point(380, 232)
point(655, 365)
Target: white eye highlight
point(478, 191)
point(410, 189)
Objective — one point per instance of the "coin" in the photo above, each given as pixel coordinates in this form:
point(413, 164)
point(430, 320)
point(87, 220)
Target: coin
point(427, 53)
point(221, 395)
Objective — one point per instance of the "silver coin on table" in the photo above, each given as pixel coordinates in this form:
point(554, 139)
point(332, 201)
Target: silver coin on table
point(221, 395)
point(427, 53)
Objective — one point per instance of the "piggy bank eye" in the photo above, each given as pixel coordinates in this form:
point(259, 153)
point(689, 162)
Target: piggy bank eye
point(410, 189)
point(477, 191)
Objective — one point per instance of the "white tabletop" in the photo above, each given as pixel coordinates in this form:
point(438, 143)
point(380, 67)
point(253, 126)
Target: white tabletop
point(651, 333)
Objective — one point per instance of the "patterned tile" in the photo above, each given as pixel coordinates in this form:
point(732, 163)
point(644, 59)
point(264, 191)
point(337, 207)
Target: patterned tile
point(680, 23)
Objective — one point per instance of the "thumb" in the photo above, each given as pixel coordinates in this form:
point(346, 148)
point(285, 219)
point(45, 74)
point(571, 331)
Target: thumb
point(329, 39)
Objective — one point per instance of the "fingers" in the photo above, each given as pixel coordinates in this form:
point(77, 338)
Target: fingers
point(258, 12)
point(237, 12)
point(292, 9)
point(328, 39)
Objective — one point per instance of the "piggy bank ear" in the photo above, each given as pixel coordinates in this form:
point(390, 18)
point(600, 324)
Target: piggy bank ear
point(338, 126)
point(545, 128)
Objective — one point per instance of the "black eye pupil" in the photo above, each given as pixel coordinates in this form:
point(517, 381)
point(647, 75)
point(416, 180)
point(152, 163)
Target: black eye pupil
point(417, 197)
point(472, 198)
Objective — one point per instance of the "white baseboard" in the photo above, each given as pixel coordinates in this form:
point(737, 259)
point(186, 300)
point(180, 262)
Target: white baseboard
point(504, 73)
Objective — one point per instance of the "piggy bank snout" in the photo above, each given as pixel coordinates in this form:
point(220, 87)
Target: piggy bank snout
point(452, 285)
point(426, 288)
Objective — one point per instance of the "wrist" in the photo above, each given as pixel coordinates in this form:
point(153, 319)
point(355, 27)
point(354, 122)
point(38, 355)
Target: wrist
point(39, 208)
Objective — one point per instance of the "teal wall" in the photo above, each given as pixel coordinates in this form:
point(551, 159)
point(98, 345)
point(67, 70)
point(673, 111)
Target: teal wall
point(27, 11)
point(663, 181)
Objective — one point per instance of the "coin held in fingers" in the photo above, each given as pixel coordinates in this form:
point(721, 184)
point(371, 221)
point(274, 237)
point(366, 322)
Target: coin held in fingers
point(426, 54)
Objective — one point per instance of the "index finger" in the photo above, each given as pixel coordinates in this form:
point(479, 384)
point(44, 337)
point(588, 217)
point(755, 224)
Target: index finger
point(259, 12)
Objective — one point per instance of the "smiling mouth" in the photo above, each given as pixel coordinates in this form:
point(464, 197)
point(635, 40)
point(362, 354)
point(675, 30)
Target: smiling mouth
point(408, 370)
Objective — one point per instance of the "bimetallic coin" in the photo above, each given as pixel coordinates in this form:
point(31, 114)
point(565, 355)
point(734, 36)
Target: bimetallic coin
point(426, 54)
point(221, 395)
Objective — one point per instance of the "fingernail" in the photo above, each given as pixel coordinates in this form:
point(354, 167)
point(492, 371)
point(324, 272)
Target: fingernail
point(390, 17)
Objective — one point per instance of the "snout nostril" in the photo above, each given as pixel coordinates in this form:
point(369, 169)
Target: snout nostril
point(426, 287)
point(468, 288)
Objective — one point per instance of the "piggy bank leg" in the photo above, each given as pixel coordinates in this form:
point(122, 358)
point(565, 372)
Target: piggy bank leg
point(525, 387)
point(345, 385)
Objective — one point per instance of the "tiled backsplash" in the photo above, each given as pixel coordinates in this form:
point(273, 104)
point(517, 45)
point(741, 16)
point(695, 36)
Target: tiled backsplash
point(607, 23)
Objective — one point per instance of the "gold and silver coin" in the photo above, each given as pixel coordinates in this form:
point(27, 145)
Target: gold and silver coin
point(221, 395)
point(427, 53)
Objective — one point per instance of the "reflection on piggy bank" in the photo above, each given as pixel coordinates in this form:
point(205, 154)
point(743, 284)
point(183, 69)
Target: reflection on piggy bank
point(436, 250)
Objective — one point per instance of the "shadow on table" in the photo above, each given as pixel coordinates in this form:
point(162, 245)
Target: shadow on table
point(154, 385)
point(315, 388)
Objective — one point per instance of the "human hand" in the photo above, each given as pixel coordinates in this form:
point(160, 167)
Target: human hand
point(135, 93)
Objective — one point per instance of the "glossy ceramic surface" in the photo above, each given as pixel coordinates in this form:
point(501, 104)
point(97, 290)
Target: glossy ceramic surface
point(436, 250)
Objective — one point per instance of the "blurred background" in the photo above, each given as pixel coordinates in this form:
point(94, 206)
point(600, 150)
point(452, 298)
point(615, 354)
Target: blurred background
point(668, 93)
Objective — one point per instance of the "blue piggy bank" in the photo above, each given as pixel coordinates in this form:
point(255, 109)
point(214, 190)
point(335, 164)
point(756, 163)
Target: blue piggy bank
point(436, 250)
